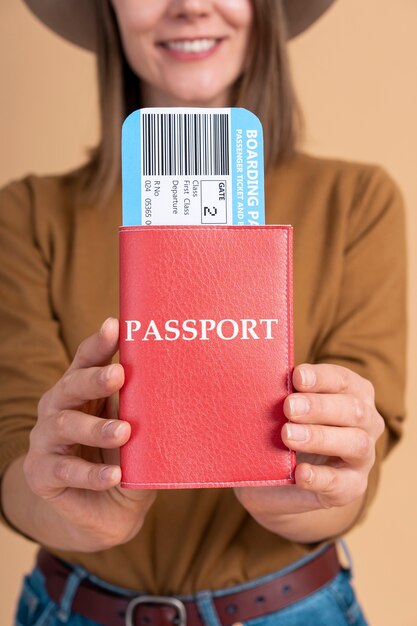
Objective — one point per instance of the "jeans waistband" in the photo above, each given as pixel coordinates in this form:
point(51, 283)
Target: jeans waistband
point(79, 591)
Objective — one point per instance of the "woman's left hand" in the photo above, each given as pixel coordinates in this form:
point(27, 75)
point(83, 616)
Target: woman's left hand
point(333, 426)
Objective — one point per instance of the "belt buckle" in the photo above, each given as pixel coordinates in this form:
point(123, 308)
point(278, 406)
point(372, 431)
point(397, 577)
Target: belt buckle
point(162, 600)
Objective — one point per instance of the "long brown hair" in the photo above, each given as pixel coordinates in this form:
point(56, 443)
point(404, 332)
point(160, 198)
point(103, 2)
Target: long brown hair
point(265, 88)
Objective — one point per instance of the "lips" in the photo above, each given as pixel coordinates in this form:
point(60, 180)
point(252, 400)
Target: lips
point(191, 45)
point(191, 49)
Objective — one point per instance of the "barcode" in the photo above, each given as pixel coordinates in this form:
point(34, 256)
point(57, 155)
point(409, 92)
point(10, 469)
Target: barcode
point(185, 144)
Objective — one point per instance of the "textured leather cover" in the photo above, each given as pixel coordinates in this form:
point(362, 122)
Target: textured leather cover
point(206, 404)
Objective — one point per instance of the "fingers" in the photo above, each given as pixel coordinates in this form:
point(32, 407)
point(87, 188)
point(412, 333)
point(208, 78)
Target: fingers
point(70, 427)
point(332, 487)
point(81, 385)
point(333, 395)
point(52, 464)
point(332, 417)
point(88, 378)
point(329, 409)
point(98, 349)
point(50, 470)
point(353, 445)
point(327, 378)
point(65, 472)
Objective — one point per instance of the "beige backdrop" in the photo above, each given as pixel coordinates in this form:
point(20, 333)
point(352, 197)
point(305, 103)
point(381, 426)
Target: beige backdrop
point(356, 74)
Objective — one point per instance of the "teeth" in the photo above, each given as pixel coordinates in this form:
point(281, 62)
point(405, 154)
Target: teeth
point(196, 45)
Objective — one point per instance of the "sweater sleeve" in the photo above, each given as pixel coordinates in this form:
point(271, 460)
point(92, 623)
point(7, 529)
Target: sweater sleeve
point(369, 330)
point(32, 356)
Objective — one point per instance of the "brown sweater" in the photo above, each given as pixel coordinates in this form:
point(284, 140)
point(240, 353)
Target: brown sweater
point(58, 282)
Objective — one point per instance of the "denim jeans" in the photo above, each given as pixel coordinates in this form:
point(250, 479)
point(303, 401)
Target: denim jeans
point(334, 604)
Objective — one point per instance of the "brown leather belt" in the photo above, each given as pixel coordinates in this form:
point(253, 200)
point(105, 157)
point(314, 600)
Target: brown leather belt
point(109, 609)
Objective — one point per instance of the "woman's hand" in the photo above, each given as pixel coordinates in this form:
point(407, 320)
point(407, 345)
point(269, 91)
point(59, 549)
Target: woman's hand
point(72, 463)
point(333, 426)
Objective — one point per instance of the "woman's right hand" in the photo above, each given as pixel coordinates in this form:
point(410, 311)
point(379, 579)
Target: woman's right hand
point(72, 461)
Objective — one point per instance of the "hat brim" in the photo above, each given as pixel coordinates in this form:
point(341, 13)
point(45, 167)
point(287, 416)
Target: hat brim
point(75, 20)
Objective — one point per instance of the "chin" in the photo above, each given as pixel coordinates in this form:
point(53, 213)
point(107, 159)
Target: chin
point(201, 101)
point(198, 98)
point(193, 93)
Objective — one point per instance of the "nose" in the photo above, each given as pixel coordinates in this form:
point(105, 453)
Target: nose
point(190, 9)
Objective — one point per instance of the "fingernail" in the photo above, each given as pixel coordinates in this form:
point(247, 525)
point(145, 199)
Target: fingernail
point(309, 476)
point(107, 373)
point(299, 405)
point(297, 432)
point(308, 377)
point(114, 429)
point(109, 473)
point(105, 324)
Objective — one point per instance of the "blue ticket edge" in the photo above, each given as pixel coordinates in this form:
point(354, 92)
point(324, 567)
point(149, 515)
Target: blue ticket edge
point(250, 200)
point(131, 170)
point(247, 192)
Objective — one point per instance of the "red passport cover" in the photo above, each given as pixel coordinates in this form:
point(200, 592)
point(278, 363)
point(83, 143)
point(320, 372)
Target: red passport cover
point(206, 341)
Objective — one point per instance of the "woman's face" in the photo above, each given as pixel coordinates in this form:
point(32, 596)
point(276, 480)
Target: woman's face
point(186, 52)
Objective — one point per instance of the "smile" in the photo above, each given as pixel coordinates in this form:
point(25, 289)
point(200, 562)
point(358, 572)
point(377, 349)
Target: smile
point(191, 49)
point(191, 45)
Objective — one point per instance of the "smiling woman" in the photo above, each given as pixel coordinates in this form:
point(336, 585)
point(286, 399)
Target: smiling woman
point(248, 35)
point(185, 55)
point(263, 556)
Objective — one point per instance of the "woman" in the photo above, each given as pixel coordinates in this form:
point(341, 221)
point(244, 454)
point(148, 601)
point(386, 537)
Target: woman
point(262, 553)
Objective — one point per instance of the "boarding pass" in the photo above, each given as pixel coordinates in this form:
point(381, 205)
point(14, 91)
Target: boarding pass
point(192, 166)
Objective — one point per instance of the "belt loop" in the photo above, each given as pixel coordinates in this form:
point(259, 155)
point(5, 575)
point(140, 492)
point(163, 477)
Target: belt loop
point(345, 550)
point(207, 609)
point(71, 586)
